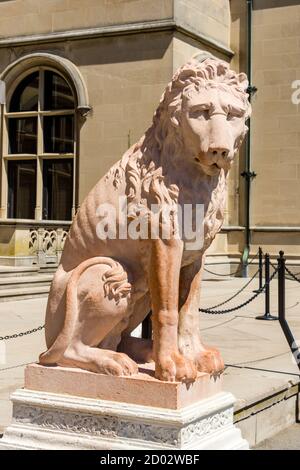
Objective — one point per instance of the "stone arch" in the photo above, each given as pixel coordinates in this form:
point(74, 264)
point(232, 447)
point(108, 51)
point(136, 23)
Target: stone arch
point(69, 70)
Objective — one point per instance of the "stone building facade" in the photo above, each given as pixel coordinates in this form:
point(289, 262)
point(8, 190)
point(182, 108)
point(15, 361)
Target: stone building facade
point(83, 78)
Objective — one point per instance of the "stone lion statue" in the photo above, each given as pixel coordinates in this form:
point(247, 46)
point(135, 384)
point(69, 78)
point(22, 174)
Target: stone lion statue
point(105, 286)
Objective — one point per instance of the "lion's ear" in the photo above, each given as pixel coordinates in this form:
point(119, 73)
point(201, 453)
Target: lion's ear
point(242, 77)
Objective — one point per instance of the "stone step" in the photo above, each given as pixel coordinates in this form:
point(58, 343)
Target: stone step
point(22, 281)
point(25, 282)
point(51, 268)
point(24, 293)
point(13, 271)
point(288, 439)
point(262, 415)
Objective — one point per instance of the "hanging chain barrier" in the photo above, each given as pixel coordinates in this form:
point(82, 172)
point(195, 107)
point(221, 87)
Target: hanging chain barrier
point(235, 272)
point(147, 326)
point(23, 333)
point(238, 307)
point(237, 293)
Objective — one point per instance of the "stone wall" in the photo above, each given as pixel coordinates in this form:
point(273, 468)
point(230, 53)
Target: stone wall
point(276, 120)
point(26, 17)
point(20, 17)
point(125, 81)
point(275, 137)
point(211, 17)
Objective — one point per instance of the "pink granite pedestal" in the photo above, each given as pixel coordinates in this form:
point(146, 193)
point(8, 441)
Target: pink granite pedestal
point(141, 389)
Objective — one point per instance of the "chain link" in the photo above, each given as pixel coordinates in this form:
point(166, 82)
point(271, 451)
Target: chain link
point(237, 293)
point(234, 273)
point(291, 274)
point(232, 309)
point(272, 264)
point(23, 333)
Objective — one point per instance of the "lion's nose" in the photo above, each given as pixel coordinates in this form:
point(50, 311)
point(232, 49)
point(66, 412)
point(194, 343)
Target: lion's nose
point(219, 152)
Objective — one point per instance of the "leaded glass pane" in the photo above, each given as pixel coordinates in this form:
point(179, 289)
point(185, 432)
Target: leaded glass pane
point(21, 189)
point(57, 93)
point(26, 95)
point(58, 134)
point(22, 135)
point(57, 189)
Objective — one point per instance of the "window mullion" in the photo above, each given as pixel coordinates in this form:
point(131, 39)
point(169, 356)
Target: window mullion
point(75, 164)
point(4, 150)
point(40, 150)
point(41, 90)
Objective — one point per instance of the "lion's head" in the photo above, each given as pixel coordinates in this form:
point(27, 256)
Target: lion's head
point(202, 115)
point(200, 123)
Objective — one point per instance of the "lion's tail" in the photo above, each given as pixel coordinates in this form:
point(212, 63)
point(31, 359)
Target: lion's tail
point(115, 284)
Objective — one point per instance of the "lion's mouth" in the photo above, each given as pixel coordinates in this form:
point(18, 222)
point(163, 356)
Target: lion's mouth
point(215, 165)
point(211, 169)
point(214, 169)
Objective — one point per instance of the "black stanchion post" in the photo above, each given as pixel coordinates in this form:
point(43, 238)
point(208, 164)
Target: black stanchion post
point(147, 327)
point(260, 270)
point(267, 315)
point(281, 310)
point(260, 264)
point(281, 286)
point(267, 280)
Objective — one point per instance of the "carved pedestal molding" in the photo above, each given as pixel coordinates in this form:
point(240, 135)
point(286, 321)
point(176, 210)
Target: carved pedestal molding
point(51, 421)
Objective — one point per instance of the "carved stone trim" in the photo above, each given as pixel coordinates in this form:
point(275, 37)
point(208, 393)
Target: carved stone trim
point(44, 420)
point(65, 66)
point(113, 427)
point(206, 426)
point(116, 30)
point(47, 241)
point(101, 426)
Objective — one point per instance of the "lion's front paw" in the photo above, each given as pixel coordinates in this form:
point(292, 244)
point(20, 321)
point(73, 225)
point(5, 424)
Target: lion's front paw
point(175, 367)
point(118, 364)
point(209, 360)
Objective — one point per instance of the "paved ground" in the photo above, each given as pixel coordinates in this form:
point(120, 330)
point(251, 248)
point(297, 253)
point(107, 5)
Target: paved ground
point(15, 317)
point(288, 439)
point(256, 353)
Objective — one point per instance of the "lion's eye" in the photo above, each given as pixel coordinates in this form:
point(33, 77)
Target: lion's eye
point(230, 116)
point(200, 112)
point(235, 113)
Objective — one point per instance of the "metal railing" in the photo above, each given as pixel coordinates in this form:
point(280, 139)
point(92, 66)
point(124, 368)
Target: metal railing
point(282, 270)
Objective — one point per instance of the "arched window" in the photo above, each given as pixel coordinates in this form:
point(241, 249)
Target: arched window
point(39, 147)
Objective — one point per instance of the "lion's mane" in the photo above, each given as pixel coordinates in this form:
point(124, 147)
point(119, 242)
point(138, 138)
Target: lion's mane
point(146, 180)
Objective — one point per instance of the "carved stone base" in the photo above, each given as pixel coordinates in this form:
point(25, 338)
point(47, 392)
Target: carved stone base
point(44, 420)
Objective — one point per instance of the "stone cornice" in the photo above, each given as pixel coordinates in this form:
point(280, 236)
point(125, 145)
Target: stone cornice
point(277, 228)
point(115, 30)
